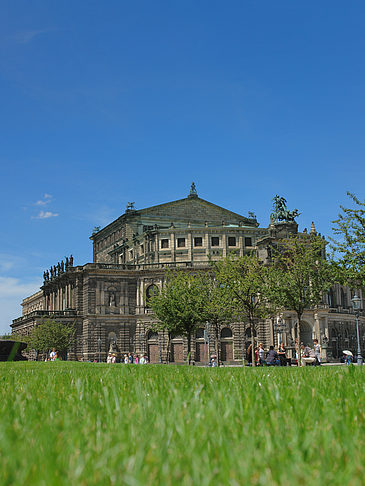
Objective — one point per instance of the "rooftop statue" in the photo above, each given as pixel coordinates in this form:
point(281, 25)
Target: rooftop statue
point(280, 211)
point(130, 206)
point(193, 191)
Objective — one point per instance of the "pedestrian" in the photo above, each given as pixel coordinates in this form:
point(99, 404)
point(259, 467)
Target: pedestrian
point(126, 360)
point(52, 354)
point(109, 358)
point(282, 354)
point(317, 352)
point(261, 352)
point(130, 358)
point(136, 359)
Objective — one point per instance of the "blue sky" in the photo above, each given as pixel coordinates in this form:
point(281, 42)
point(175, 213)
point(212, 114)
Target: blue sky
point(108, 102)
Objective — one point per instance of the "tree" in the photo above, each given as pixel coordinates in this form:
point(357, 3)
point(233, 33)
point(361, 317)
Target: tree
point(350, 249)
point(179, 306)
point(218, 307)
point(51, 334)
point(245, 280)
point(299, 276)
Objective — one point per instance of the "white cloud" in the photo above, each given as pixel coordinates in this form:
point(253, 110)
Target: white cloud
point(12, 292)
point(47, 198)
point(45, 215)
point(26, 36)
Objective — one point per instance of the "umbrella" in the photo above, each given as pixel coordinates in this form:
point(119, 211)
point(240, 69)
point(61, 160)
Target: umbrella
point(347, 352)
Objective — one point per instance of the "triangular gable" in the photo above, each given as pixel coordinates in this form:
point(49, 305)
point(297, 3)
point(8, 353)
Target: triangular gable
point(194, 209)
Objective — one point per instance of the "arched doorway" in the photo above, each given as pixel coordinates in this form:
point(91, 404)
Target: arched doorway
point(152, 347)
point(226, 344)
point(200, 348)
point(177, 349)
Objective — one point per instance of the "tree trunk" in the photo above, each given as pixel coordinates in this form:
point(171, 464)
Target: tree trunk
point(168, 348)
point(253, 344)
point(298, 337)
point(216, 342)
point(189, 347)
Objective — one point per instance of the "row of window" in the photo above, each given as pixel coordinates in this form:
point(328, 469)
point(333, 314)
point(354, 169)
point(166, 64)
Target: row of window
point(198, 241)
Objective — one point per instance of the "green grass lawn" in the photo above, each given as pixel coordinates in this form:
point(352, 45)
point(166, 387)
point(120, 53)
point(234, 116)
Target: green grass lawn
point(85, 424)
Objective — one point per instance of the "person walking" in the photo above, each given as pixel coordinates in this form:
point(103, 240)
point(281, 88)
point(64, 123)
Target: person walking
point(317, 352)
point(282, 354)
point(261, 352)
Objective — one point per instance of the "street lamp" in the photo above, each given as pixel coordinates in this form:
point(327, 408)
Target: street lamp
point(356, 304)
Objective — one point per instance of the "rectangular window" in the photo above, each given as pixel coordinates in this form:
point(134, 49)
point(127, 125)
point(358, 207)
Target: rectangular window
point(248, 241)
point(231, 241)
point(198, 241)
point(165, 243)
point(215, 240)
point(142, 249)
point(181, 242)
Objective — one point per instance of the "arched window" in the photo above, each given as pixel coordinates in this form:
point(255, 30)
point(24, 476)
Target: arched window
point(226, 333)
point(176, 336)
point(199, 333)
point(152, 336)
point(150, 292)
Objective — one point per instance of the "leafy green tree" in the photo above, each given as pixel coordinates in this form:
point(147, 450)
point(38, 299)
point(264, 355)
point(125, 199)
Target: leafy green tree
point(179, 306)
point(218, 308)
point(299, 275)
point(350, 248)
point(245, 280)
point(51, 334)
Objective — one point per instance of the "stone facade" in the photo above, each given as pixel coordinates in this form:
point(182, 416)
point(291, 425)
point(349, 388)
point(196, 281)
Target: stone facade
point(107, 300)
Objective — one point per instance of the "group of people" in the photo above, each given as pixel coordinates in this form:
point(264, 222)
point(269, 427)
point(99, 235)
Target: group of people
point(53, 356)
point(128, 358)
point(309, 356)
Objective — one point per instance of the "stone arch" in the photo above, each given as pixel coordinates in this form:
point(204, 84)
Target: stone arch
point(153, 348)
point(201, 346)
point(199, 333)
point(226, 332)
point(226, 343)
point(177, 348)
point(151, 290)
point(152, 335)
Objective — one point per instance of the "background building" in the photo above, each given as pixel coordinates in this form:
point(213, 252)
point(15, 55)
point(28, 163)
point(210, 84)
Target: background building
point(108, 299)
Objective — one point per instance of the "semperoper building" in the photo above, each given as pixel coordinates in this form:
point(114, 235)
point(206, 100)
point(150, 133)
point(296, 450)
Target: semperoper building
point(108, 298)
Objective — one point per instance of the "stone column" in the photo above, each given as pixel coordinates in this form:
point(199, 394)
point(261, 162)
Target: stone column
point(190, 246)
point(316, 326)
point(240, 243)
point(173, 246)
point(224, 245)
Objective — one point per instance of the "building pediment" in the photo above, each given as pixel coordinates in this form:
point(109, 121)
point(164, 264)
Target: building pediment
point(194, 209)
